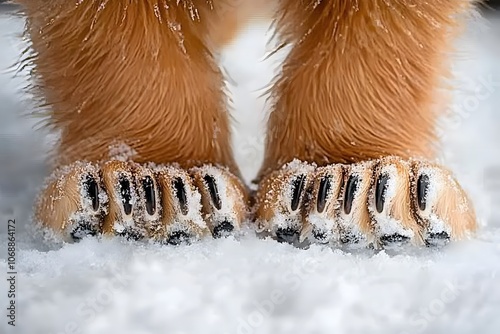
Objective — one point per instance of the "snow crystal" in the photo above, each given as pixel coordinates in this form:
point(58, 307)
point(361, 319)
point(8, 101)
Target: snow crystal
point(121, 152)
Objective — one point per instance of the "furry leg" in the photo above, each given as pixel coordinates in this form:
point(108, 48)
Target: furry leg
point(139, 73)
point(362, 82)
point(131, 72)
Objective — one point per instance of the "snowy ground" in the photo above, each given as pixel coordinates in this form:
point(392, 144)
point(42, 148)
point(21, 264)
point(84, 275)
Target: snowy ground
point(251, 285)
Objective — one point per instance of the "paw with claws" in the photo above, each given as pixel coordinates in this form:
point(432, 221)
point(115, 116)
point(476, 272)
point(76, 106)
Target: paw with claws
point(166, 204)
point(369, 204)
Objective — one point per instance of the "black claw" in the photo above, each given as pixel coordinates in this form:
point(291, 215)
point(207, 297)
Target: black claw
point(223, 229)
point(214, 192)
point(422, 189)
point(388, 239)
point(350, 190)
point(92, 191)
point(180, 192)
point(178, 237)
point(125, 194)
point(381, 191)
point(324, 188)
point(149, 192)
point(298, 185)
point(288, 235)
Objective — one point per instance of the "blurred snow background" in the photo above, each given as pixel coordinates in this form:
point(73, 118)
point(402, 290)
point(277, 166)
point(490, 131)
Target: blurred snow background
point(251, 285)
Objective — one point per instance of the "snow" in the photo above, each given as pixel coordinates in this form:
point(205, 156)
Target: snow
point(251, 285)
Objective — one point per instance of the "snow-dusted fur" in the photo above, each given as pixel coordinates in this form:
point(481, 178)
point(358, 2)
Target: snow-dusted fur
point(257, 286)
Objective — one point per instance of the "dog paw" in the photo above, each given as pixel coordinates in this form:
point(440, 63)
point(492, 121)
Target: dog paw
point(165, 204)
point(373, 203)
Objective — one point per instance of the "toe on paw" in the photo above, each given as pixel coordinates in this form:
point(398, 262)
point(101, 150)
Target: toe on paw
point(440, 205)
point(323, 210)
point(73, 203)
point(224, 199)
point(281, 201)
point(181, 218)
point(389, 203)
point(125, 217)
point(354, 223)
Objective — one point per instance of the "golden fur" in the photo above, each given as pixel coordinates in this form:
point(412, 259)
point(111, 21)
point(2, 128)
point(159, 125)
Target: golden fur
point(133, 72)
point(364, 79)
point(233, 15)
point(360, 83)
